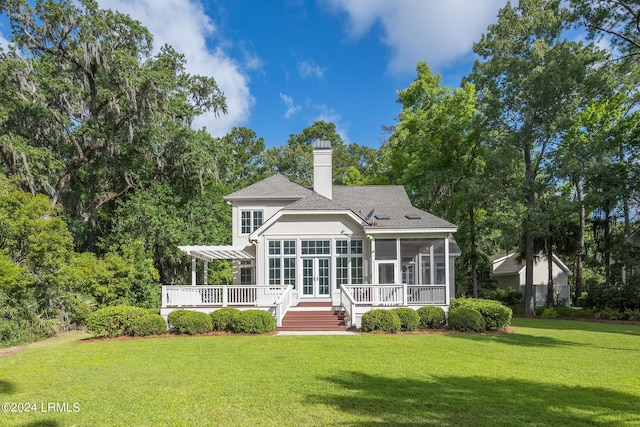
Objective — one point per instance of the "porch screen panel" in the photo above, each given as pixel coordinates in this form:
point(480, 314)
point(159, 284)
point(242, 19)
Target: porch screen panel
point(342, 272)
point(386, 249)
point(357, 270)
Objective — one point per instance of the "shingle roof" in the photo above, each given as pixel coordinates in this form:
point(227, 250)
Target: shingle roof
point(274, 187)
point(371, 196)
point(389, 202)
point(314, 202)
point(510, 265)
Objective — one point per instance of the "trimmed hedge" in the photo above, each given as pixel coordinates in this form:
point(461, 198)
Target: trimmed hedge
point(111, 322)
point(222, 318)
point(381, 320)
point(496, 315)
point(432, 317)
point(253, 322)
point(409, 319)
point(190, 322)
point(149, 324)
point(466, 320)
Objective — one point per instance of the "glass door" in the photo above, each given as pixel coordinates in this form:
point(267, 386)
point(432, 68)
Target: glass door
point(316, 277)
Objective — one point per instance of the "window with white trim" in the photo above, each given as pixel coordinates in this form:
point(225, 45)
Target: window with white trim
point(250, 221)
point(349, 262)
point(282, 262)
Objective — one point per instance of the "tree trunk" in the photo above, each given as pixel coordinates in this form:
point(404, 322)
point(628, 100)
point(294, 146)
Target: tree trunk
point(581, 253)
point(550, 299)
point(474, 255)
point(528, 231)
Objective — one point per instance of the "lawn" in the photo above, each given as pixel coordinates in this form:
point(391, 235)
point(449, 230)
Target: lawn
point(547, 372)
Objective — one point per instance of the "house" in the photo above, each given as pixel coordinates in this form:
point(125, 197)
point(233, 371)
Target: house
point(509, 272)
point(353, 248)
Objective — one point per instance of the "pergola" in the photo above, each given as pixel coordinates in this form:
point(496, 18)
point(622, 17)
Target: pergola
point(210, 253)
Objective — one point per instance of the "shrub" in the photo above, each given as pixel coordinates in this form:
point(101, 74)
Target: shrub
point(149, 324)
point(633, 315)
point(190, 322)
point(550, 313)
point(409, 319)
point(111, 322)
point(466, 319)
point(222, 318)
point(509, 297)
point(431, 317)
point(253, 322)
point(496, 315)
point(609, 314)
point(381, 320)
point(9, 332)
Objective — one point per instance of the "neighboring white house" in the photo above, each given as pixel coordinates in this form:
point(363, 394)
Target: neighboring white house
point(352, 247)
point(509, 272)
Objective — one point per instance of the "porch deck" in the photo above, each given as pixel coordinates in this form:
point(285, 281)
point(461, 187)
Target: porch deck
point(354, 299)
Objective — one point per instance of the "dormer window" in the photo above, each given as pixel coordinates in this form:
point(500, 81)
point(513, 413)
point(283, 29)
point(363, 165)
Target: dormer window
point(250, 221)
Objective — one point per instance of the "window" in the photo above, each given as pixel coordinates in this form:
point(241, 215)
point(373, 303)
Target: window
point(349, 262)
point(246, 273)
point(282, 262)
point(250, 221)
point(316, 247)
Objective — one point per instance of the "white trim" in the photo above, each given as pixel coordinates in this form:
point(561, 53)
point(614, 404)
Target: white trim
point(209, 253)
point(404, 233)
point(265, 225)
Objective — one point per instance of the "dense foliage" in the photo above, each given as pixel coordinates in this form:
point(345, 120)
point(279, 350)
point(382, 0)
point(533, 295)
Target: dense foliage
point(409, 319)
point(222, 319)
point(190, 322)
point(115, 321)
point(431, 317)
point(466, 320)
point(253, 322)
point(102, 175)
point(496, 315)
point(381, 320)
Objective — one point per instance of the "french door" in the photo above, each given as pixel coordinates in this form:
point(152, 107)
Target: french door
point(316, 277)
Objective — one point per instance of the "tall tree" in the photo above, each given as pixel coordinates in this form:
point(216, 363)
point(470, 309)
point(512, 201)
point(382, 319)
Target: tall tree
point(531, 80)
point(437, 153)
point(87, 113)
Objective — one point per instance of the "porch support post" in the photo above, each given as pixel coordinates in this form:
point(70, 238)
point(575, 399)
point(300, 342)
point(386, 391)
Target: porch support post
point(447, 295)
point(193, 271)
point(206, 273)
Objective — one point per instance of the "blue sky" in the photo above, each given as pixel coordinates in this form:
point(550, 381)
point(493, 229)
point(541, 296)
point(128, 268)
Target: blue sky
point(284, 64)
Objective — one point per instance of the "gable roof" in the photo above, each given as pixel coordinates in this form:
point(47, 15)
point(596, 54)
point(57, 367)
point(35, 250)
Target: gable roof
point(511, 264)
point(378, 206)
point(274, 187)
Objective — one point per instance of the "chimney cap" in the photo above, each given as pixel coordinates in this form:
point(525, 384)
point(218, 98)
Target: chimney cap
point(319, 144)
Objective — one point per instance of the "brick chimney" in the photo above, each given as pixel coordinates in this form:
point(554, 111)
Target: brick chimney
point(322, 176)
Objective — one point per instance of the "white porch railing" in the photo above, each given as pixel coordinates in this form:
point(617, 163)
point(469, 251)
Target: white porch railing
point(348, 303)
point(396, 294)
point(426, 294)
point(282, 305)
point(222, 296)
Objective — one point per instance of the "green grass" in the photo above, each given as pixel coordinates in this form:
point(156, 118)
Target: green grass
point(548, 372)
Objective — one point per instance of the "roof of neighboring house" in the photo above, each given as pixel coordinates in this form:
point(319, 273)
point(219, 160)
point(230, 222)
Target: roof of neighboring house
point(511, 264)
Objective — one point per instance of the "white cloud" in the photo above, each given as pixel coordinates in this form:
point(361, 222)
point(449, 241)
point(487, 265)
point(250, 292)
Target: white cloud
point(184, 25)
point(436, 31)
point(308, 68)
point(291, 107)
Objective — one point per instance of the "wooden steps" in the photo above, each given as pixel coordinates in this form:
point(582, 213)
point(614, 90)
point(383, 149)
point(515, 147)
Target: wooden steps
point(310, 316)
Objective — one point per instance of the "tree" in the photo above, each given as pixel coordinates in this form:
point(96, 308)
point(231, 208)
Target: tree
point(531, 81)
point(87, 114)
point(295, 159)
point(437, 154)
